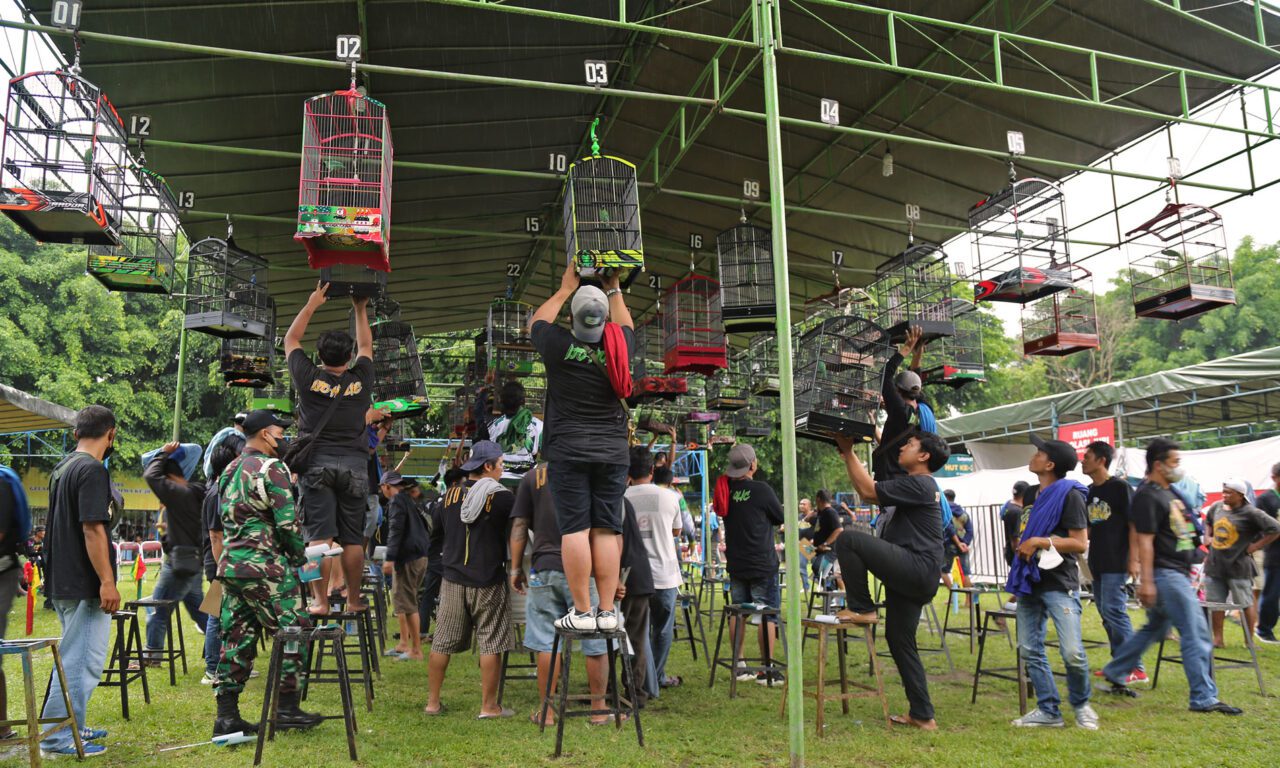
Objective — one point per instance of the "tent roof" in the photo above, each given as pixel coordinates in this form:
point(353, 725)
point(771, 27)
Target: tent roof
point(1230, 391)
point(20, 412)
point(453, 232)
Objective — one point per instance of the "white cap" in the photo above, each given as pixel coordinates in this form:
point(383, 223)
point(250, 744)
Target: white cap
point(590, 309)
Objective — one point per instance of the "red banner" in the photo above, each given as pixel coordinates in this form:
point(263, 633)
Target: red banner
point(1081, 434)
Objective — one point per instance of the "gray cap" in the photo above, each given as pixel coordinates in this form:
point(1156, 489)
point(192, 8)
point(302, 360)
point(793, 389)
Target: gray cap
point(590, 310)
point(908, 382)
point(741, 457)
point(482, 452)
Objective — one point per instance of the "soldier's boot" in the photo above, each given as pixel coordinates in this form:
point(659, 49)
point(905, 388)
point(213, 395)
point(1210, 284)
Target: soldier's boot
point(290, 715)
point(228, 719)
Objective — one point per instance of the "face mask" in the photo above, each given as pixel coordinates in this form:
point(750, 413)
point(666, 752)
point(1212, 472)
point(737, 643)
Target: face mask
point(1174, 474)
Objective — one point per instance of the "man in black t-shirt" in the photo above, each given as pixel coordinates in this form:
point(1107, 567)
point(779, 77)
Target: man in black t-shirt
point(435, 547)
point(180, 574)
point(901, 393)
point(81, 568)
point(906, 558)
point(586, 440)
point(827, 528)
point(333, 492)
point(473, 594)
point(1163, 537)
point(1269, 600)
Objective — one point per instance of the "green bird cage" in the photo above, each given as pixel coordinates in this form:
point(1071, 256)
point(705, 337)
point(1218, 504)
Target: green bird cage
point(602, 214)
point(150, 237)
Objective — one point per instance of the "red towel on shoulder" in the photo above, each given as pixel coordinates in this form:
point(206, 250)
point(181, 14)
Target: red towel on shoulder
point(720, 496)
point(617, 362)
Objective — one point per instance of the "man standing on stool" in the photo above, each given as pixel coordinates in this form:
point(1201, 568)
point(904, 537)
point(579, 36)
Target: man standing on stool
point(907, 558)
point(1048, 585)
point(586, 441)
point(261, 547)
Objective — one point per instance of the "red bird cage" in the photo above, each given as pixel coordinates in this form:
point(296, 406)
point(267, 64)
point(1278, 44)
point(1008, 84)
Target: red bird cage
point(344, 195)
point(1062, 323)
point(693, 329)
point(1178, 263)
point(647, 369)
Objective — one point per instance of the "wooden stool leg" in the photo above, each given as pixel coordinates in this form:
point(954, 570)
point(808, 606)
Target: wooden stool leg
point(551, 680)
point(715, 660)
point(175, 616)
point(564, 690)
point(182, 645)
point(1022, 683)
point(977, 670)
point(33, 717)
point(122, 664)
point(135, 638)
point(842, 638)
point(870, 636)
point(1155, 679)
point(362, 642)
point(502, 678)
point(822, 678)
point(348, 709)
point(737, 635)
point(632, 684)
point(1253, 652)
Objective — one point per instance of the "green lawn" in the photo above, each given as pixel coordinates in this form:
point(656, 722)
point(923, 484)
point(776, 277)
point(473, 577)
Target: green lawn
point(694, 726)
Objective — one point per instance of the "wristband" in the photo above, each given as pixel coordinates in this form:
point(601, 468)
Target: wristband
point(611, 292)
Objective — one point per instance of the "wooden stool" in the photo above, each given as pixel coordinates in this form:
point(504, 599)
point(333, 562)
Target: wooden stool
point(973, 609)
point(822, 630)
point(169, 652)
point(374, 587)
point(689, 610)
point(271, 701)
point(1216, 661)
point(24, 649)
point(1016, 673)
point(126, 651)
point(616, 704)
point(516, 670)
point(766, 664)
point(707, 588)
point(830, 602)
point(341, 646)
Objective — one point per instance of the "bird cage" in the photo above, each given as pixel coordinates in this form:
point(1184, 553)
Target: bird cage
point(695, 433)
point(762, 361)
point(648, 373)
point(914, 289)
point(745, 254)
point(838, 378)
point(1178, 263)
point(602, 213)
point(1020, 245)
point(838, 301)
point(458, 419)
point(344, 195)
point(723, 432)
point(658, 418)
point(397, 371)
point(354, 280)
point(64, 159)
point(277, 397)
point(957, 360)
point(247, 361)
point(508, 347)
point(150, 236)
point(1062, 323)
point(404, 407)
point(729, 390)
point(227, 292)
point(693, 330)
point(755, 420)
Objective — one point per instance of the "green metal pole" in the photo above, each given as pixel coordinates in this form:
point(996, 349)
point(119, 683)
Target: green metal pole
point(182, 357)
point(787, 405)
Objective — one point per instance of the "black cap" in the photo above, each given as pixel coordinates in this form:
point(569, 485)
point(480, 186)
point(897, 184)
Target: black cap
point(256, 421)
point(1062, 455)
point(239, 418)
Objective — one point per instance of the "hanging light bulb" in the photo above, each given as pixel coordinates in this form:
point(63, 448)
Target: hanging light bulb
point(886, 164)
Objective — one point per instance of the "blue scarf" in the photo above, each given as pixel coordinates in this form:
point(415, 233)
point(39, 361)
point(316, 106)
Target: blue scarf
point(928, 422)
point(21, 511)
point(1046, 513)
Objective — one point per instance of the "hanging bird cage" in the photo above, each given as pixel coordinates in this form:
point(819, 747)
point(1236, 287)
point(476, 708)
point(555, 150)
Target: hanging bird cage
point(695, 433)
point(1020, 245)
point(745, 253)
point(838, 378)
point(344, 196)
point(397, 369)
point(227, 292)
point(838, 301)
point(658, 418)
point(723, 432)
point(648, 373)
point(508, 348)
point(755, 420)
point(1064, 322)
point(729, 390)
point(957, 360)
point(458, 420)
point(913, 289)
point(1179, 264)
point(693, 330)
point(248, 361)
point(602, 214)
point(64, 160)
point(277, 397)
point(150, 237)
point(762, 361)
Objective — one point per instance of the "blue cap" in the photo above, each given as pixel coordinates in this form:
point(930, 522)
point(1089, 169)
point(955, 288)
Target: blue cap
point(482, 453)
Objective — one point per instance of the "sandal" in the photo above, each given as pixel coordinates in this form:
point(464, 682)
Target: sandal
point(672, 681)
point(930, 725)
point(437, 713)
point(608, 720)
point(506, 712)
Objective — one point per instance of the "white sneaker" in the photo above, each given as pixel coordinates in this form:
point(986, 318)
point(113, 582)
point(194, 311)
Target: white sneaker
point(579, 622)
point(746, 677)
point(208, 679)
point(1010, 606)
point(1038, 718)
point(1086, 718)
point(607, 621)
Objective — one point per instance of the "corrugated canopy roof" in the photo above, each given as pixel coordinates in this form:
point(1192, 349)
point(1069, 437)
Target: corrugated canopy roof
point(20, 412)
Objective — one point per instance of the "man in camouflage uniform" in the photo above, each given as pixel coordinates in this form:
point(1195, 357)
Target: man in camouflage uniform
point(261, 547)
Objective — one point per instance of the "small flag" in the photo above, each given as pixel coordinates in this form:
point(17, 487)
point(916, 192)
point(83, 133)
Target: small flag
point(33, 580)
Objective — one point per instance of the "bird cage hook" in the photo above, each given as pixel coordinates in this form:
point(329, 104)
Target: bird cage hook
point(595, 141)
point(74, 69)
point(742, 214)
point(229, 227)
point(353, 75)
point(1013, 173)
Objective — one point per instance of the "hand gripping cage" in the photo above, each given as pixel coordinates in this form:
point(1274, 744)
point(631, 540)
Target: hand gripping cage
point(957, 360)
point(1020, 244)
point(914, 289)
point(838, 378)
point(1179, 263)
point(150, 236)
point(745, 255)
point(1064, 322)
point(602, 214)
point(227, 292)
point(344, 193)
point(693, 329)
point(63, 161)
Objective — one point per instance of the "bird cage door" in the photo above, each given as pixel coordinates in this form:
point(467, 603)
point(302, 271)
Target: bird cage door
point(602, 216)
point(1179, 263)
point(1062, 323)
point(913, 289)
point(745, 255)
point(1019, 238)
point(64, 159)
point(693, 328)
point(344, 194)
point(227, 292)
point(150, 237)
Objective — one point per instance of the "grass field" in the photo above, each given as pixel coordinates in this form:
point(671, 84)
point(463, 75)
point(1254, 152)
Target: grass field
point(696, 726)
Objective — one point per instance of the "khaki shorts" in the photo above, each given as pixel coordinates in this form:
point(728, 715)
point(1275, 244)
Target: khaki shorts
point(486, 610)
point(405, 583)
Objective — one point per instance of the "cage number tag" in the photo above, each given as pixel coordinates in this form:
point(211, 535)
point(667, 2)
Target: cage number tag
point(655, 282)
point(751, 189)
point(1175, 168)
point(1017, 144)
point(514, 269)
point(557, 161)
point(139, 125)
point(186, 200)
point(961, 270)
point(597, 72)
point(837, 259)
point(65, 14)
point(830, 111)
point(348, 48)
point(913, 212)
point(532, 225)
point(695, 241)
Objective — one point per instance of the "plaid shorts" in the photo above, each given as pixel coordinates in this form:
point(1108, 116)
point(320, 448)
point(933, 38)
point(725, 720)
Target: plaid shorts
point(486, 610)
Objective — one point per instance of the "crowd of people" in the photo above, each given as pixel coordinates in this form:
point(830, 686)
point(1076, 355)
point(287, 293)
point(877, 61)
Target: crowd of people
point(280, 532)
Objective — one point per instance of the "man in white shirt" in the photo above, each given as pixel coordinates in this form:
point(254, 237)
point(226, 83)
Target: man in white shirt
point(658, 516)
point(516, 429)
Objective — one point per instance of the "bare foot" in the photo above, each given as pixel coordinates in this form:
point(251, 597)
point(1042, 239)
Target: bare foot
point(551, 718)
point(318, 608)
point(416, 656)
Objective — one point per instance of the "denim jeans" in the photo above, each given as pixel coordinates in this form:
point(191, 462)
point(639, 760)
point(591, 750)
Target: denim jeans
point(86, 630)
point(1112, 601)
point(212, 644)
point(1269, 602)
point(662, 624)
point(1034, 612)
point(169, 586)
point(1176, 604)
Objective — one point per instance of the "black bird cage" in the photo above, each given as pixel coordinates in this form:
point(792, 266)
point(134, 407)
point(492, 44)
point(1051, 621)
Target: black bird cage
point(249, 361)
point(723, 432)
point(756, 420)
point(150, 237)
point(914, 289)
point(730, 389)
point(648, 373)
point(838, 378)
point(508, 348)
point(354, 280)
point(602, 214)
point(1020, 243)
point(227, 291)
point(957, 360)
point(745, 253)
point(397, 370)
point(1064, 322)
point(64, 160)
point(1179, 263)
